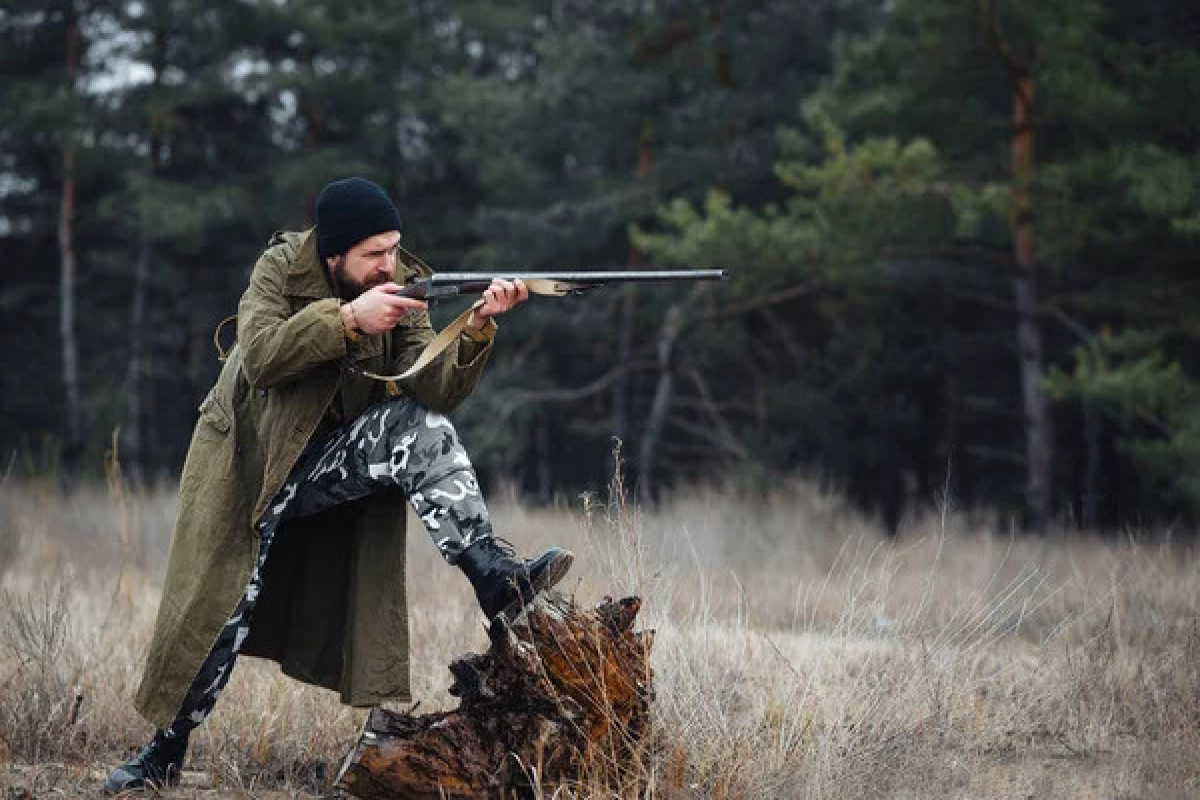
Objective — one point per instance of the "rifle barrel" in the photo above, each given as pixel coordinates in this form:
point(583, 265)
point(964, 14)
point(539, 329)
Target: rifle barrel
point(585, 277)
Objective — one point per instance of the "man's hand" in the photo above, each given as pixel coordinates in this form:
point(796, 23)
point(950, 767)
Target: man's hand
point(379, 309)
point(501, 296)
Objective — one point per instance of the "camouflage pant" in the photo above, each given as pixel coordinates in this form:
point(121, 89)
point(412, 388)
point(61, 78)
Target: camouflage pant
point(395, 443)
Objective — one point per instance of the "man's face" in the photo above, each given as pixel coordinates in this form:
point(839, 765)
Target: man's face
point(369, 263)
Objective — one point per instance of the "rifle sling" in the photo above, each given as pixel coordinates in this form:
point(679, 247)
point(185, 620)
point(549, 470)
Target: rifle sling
point(437, 345)
point(451, 332)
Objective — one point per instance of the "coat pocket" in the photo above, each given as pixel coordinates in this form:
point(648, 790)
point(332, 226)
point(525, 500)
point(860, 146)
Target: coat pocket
point(214, 414)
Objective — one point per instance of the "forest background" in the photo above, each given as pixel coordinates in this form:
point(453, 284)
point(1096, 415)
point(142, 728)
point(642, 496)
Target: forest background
point(962, 234)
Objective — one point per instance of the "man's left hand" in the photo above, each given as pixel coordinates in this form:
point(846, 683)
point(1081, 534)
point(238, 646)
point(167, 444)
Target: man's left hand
point(501, 296)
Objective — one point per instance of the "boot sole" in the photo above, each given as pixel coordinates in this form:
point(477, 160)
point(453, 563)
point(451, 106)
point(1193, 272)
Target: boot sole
point(554, 571)
point(141, 783)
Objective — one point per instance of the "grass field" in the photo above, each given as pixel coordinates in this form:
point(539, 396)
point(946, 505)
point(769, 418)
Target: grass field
point(799, 653)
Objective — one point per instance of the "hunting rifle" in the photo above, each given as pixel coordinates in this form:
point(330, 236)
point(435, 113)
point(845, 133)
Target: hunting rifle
point(440, 286)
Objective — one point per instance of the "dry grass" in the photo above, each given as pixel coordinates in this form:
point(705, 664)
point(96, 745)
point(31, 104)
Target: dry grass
point(798, 654)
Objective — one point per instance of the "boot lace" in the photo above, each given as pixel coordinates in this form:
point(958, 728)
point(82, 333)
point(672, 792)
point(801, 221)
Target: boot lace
point(504, 546)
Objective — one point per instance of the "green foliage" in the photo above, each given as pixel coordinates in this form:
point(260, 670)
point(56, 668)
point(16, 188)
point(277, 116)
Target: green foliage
point(1160, 183)
point(765, 249)
point(899, 186)
point(1156, 402)
point(843, 212)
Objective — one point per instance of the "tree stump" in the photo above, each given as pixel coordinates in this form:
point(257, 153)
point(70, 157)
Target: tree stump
point(561, 696)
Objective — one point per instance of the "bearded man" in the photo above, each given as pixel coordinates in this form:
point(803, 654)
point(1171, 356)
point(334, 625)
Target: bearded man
point(290, 536)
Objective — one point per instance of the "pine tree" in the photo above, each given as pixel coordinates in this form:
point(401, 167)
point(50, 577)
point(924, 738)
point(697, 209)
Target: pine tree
point(942, 105)
point(579, 119)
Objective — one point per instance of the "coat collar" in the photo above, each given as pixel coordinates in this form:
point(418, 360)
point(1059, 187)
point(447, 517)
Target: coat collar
point(306, 276)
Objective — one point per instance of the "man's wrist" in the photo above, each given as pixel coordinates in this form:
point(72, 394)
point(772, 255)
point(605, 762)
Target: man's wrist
point(350, 321)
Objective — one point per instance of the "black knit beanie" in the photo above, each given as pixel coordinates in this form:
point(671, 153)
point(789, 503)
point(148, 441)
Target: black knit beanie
point(349, 211)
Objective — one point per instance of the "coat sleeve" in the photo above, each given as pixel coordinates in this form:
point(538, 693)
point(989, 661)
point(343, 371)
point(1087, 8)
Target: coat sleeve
point(277, 346)
point(447, 380)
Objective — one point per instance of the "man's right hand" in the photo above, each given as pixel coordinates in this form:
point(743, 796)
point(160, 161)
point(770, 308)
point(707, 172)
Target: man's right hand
point(379, 309)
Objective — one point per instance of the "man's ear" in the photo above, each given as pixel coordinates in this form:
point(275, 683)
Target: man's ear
point(333, 261)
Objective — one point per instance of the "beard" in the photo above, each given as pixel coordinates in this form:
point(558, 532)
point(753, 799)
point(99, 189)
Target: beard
point(346, 287)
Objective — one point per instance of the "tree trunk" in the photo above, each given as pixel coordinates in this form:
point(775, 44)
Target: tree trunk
point(1038, 446)
point(314, 127)
point(135, 456)
point(545, 463)
point(135, 417)
point(1093, 429)
point(647, 455)
point(561, 696)
point(621, 387)
point(72, 449)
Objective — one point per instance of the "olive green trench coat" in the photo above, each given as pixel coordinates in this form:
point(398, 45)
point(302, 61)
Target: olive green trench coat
point(333, 609)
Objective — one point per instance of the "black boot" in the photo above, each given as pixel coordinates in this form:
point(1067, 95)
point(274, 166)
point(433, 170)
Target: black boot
point(502, 583)
point(159, 764)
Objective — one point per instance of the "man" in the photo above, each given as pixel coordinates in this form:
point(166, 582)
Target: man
point(289, 541)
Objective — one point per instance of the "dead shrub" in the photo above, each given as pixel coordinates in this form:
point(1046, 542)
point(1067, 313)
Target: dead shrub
point(37, 718)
